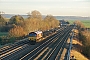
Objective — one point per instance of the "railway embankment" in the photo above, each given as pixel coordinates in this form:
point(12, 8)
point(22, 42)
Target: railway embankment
point(77, 47)
point(76, 50)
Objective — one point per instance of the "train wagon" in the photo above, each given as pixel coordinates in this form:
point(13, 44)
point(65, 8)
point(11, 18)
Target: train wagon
point(33, 36)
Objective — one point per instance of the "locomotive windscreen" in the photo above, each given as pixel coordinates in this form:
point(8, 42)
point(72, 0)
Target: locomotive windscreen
point(32, 34)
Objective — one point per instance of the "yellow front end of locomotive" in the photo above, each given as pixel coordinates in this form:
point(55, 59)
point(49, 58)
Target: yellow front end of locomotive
point(32, 38)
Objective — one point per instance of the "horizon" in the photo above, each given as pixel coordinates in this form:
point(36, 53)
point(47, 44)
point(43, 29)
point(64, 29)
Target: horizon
point(57, 17)
point(53, 7)
point(47, 14)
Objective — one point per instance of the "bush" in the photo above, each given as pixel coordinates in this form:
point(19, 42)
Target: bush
point(86, 51)
point(17, 31)
point(84, 36)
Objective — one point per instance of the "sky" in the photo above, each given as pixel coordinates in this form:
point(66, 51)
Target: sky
point(53, 7)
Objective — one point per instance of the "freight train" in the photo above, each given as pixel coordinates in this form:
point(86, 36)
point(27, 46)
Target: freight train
point(34, 36)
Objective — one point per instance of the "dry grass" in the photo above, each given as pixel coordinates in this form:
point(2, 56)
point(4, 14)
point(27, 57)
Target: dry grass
point(75, 51)
point(78, 55)
point(76, 42)
point(76, 31)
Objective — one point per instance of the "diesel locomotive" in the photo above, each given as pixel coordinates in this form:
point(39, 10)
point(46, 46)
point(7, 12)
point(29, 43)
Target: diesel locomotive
point(33, 36)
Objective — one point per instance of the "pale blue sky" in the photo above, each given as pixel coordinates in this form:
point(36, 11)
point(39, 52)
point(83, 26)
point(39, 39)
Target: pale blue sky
point(53, 7)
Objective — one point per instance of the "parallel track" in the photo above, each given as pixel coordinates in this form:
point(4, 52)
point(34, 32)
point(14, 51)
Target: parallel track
point(49, 49)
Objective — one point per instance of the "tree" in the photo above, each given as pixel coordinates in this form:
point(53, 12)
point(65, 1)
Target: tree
point(2, 21)
point(79, 24)
point(30, 25)
point(84, 36)
point(27, 25)
point(17, 19)
point(35, 22)
point(36, 14)
point(52, 21)
point(17, 31)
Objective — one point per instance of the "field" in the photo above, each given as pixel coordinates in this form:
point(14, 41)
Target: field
point(3, 33)
point(85, 22)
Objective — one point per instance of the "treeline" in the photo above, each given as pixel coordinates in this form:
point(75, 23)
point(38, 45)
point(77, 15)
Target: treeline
point(17, 26)
point(84, 36)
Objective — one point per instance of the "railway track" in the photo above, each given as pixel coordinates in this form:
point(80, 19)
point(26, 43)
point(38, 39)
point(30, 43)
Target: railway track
point(49, 49)
point(12, 49)
point(9, 48)
point(51, 45)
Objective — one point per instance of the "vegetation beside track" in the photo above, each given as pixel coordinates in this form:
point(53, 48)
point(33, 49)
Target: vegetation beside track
point(17, 27)
point(83, 36)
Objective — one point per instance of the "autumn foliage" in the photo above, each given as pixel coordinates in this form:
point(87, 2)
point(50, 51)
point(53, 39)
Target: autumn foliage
point(19, 27)
point(79, 24)
point(36, 22)
point(17, 31)
point(17, 19)
point(84, 36)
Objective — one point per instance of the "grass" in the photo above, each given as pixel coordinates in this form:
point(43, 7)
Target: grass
point(3, 33)
point(71, 21)
point(85, 22)
point(75, 51)
point(78, 55)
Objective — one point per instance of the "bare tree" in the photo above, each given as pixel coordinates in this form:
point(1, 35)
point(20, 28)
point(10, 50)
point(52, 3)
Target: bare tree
point(36, 14)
